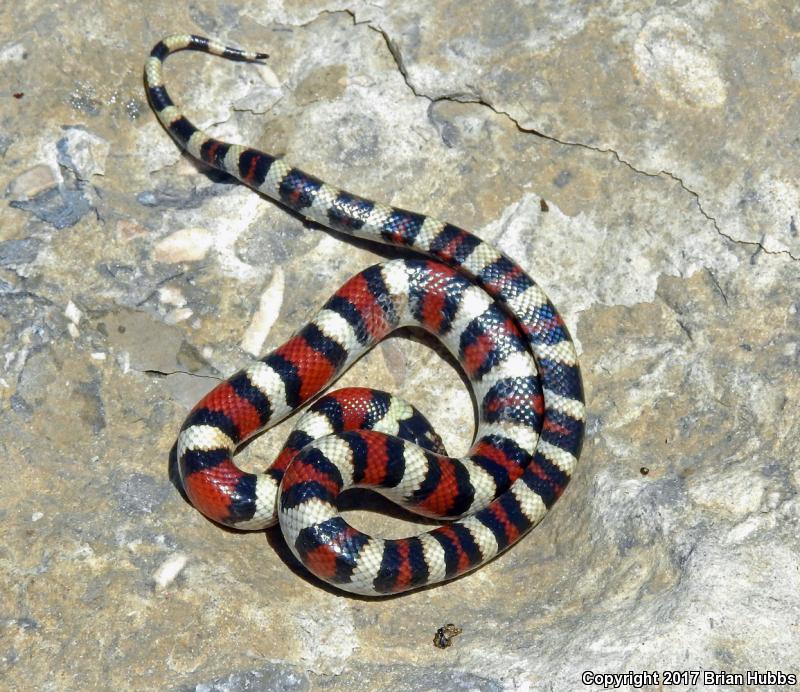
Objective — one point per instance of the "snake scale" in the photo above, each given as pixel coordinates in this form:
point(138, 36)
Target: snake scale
point(499, 325)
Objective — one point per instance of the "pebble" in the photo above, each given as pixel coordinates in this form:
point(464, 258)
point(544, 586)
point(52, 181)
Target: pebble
point(170, 295)
point(178, 315)
point(72, 313)
point(185, 245)
point(169, 570)
point(269, 308)
point(83, 152)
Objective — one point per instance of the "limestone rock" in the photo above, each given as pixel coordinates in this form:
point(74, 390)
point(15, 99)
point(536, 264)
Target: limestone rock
point(639, 159)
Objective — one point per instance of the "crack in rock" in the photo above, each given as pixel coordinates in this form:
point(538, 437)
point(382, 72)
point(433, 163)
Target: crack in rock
point(162, 373)
point(397, 56)
point(466, 98)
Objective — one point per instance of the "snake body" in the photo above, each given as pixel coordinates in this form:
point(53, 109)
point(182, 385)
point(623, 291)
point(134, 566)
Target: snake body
point(496, 321)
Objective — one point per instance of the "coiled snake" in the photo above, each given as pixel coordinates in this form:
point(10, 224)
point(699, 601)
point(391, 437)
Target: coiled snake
point(495, 320)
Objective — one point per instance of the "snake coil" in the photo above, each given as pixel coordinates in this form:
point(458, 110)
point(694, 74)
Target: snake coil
point(496, 321)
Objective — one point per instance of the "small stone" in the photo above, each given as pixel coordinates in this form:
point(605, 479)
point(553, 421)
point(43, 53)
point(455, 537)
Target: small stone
point(169, 570)
point(72, 313)
point(178, 315)
point(185, 245)
point(269, 77)
point(268, 310)
point(14, 52)
point(83, 153)
point(170, 295)
point(444, 636)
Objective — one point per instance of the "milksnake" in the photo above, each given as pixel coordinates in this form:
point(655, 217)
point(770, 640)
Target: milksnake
point(496, 321)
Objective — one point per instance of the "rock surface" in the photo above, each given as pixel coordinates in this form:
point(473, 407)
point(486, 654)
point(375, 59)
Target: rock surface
point(663, 141)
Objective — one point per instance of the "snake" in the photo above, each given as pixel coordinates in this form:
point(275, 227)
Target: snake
point(517, 355)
